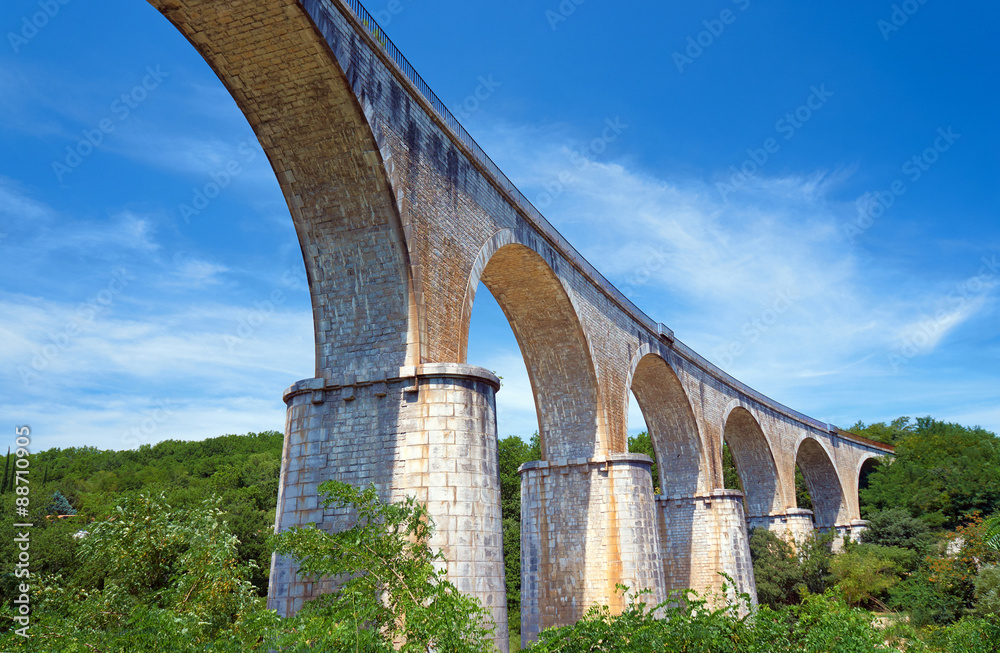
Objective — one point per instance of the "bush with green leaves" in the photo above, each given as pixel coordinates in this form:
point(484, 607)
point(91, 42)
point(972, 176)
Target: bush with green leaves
point(688, 623)
point(966, 636)
point(895, 527)
point(393, 587)
point(987, 585)
point(863, 575)
point(159, 579)
point(775, 568)
point(782, 574)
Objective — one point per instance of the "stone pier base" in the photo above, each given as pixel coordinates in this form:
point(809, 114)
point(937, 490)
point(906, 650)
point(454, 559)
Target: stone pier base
point(427, 432)
point(846, 533)
point(585, 526)
point(794, 526)
point(702, 537)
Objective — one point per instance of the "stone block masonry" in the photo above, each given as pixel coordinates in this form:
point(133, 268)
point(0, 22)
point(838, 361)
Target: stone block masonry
point(427, 432)
point(586, 525)
point(703, 537)
point(400, 216)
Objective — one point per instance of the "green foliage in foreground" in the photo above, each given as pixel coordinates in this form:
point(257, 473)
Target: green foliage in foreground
point(385, 555)
point(821, 623)
point(166, 580)
point(153, 578)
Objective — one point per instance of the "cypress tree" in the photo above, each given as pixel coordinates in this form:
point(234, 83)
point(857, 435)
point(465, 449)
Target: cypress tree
point(6, 473)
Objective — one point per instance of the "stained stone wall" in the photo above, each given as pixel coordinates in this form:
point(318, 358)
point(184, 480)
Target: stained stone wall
point(586, 525)
point(795, 525)
point(401, 216)
point(427, 432)
point(703, 537)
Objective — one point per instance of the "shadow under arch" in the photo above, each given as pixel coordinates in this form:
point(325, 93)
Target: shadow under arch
point(866, 468)
point(672, 426)
point(829, 505)
point(754, 463)
point(556, 353)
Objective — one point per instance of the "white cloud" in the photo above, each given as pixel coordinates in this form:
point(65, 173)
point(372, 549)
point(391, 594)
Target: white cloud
point(193, 273)
point(16, 205)
point(766, 272)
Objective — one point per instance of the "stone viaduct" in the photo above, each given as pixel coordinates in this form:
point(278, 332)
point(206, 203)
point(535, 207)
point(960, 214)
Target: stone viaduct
point(400, 216)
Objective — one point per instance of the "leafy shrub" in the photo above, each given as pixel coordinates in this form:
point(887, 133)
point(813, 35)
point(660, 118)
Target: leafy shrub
point(864, 575)
point(896, 527)
point(689, 624)
point(776, 569)
point(987, 585)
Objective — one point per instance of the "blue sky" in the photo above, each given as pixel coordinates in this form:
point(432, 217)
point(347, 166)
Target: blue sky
point(807, 194)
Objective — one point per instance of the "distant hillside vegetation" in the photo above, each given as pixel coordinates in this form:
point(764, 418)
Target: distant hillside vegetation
point(242, 470)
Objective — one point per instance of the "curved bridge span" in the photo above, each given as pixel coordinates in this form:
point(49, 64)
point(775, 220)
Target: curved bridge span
point(400, 216)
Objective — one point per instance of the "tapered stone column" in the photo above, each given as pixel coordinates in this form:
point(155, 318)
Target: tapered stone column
point(427, 432)
point(702, 537)
point(844, 533)
point(795, 525)
point(586, 525)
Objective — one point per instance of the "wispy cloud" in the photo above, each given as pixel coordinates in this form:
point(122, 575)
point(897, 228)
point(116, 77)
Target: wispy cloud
point(765, 284)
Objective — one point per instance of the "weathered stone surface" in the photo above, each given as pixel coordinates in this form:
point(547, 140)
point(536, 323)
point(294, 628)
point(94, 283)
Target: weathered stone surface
point(586, 525)
point(702, 537)
point(400, 217)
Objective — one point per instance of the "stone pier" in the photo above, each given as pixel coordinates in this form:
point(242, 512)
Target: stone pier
point(427, 432)
point(586, 525)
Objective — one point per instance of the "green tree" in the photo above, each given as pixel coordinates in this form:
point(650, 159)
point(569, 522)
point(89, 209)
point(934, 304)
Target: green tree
point(643, 443)
point(392, 588)
point(6, 472)
point(815, 557)
point(169, 581)
point(896, 527)
point(890, 433)
point(59, 505)
point(776, 569)
point(863, 576)
point(941, 473)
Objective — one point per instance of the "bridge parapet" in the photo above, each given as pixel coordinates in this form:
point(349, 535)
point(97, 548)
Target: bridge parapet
point(400, 215)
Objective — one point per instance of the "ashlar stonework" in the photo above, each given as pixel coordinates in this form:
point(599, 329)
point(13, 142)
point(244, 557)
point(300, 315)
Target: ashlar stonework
point(400, 216)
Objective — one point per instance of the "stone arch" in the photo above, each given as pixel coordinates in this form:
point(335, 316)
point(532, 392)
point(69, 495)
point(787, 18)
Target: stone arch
point(557, 355)
point(671, 422)
point(331, 163)
point(829, 504)
point(754, 461)
point(866, 466)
